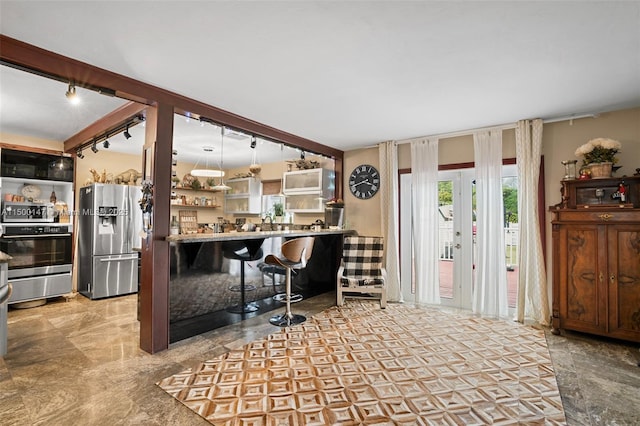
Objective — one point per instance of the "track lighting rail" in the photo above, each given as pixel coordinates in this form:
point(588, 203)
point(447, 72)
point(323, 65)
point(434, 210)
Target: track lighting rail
point(110, 133)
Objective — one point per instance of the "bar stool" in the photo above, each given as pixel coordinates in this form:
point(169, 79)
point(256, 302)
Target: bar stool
point(244, 251)
point(295, 254)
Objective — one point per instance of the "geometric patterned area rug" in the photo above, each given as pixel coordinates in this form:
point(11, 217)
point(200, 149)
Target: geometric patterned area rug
point(359, 364)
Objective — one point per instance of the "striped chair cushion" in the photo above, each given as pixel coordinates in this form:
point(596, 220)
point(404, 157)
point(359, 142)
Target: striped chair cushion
point(362, 260)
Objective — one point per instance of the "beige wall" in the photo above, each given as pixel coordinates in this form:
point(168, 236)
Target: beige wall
point(560, 140)
point(31, 142)
point(361, 215)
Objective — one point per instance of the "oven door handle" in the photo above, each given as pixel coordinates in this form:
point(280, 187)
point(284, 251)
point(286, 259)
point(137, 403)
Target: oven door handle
point(8, 295)
point(17, 280)
point(15, 237)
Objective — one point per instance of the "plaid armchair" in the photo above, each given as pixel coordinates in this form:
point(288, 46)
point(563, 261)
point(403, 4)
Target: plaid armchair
point(361, 273)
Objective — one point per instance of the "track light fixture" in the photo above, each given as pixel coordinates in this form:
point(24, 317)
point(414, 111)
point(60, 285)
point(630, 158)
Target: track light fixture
point(71, 94)
point(302, 155)
point(253, 142)
point(79, 154)
point(103, 138)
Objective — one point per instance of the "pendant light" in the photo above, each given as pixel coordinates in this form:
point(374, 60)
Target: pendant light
point(221, 186)
point(281, 193)
point(206, 172)
point(255, 168)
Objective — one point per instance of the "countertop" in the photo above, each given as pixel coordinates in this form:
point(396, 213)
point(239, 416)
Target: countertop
point(4, 257)
point(248, 235)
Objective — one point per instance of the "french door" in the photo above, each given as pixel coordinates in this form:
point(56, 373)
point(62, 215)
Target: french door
point(456, 238)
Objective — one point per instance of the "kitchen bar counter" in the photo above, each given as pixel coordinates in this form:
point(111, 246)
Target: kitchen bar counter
point(250, 235)
point(201, 276)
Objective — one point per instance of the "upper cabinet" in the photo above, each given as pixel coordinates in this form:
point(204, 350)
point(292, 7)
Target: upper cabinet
point(305, 181)
point(244, 197)
point(307, 190)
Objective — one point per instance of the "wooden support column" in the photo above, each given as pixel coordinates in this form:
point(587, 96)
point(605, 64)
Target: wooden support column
point(154, 287)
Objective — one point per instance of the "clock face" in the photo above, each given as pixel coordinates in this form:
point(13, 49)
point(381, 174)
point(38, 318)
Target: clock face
point(31, 191)
point(364, 181)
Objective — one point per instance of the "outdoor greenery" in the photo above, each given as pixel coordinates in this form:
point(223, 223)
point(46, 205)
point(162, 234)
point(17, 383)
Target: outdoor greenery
point(509, 194)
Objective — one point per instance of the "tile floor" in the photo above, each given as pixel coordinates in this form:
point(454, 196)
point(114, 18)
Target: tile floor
point(78, 363)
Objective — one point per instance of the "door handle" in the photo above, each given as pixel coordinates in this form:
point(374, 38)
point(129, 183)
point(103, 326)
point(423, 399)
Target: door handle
point(120, 259)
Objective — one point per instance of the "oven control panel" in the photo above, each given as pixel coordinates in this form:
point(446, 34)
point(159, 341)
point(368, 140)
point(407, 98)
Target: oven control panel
point(34, 230)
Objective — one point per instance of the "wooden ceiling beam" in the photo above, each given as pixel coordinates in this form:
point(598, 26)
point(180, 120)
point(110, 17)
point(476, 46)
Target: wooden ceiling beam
point(25, 56)
point(109, 121)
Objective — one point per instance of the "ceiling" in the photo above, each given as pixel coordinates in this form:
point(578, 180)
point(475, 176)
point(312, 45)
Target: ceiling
point(344, 74)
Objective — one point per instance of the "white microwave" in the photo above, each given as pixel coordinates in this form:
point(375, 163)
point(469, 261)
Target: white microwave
point(16, 211)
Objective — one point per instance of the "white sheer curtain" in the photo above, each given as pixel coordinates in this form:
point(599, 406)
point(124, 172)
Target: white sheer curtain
point(388, 154)
point(533, 299)
point(424, 184)
point(490, 289)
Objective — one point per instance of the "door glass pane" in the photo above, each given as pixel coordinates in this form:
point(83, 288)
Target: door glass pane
point(511, 233)
point(445, 237)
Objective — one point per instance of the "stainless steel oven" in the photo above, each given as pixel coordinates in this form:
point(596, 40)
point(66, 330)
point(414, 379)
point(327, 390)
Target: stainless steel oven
point(41, 261)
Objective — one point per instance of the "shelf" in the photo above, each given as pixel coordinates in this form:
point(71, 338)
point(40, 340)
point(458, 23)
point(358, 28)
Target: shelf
point(194, 207)
point(196, 190)
point(36, 181)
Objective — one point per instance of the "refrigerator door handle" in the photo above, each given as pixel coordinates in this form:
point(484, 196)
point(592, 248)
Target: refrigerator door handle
point(120, 259)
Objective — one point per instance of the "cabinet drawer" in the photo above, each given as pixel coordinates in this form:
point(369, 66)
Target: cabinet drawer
point(598, 215)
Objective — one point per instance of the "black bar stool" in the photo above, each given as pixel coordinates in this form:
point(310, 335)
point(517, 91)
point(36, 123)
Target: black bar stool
point(244, 251)
point(295, 254)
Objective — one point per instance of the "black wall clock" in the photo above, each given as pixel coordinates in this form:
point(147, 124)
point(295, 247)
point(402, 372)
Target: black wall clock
point(364, 181)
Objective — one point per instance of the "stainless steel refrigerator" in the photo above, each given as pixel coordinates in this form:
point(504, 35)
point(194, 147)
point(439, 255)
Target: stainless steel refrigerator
point(109, 224)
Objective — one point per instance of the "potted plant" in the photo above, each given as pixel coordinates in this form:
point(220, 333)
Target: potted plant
point(175, 181)
point(278, 212)
point(599, 155)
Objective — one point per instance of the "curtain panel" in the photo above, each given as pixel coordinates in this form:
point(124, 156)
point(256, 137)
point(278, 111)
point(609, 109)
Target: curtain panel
point(490, 290)
point(424, 187)
point(533, 299)
point(388, 157)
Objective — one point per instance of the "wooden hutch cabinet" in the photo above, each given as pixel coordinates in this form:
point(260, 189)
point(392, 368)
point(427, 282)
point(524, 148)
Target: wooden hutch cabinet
point(596, 258)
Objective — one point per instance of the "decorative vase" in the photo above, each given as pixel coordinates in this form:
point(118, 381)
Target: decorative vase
point(600, 170)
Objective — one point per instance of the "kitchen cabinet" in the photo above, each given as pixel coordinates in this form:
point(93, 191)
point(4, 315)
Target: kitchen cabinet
point(244, 197)
point(307, 181)
point(40, 192)
point(306, 191)
point(312, 202)
point(596, 259)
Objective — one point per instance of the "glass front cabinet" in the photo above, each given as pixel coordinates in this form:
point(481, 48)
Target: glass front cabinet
point(244, 197)
point(307, 191)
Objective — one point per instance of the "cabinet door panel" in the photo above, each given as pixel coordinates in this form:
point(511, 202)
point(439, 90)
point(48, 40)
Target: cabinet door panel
point(585, 299)
point(624, 277)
